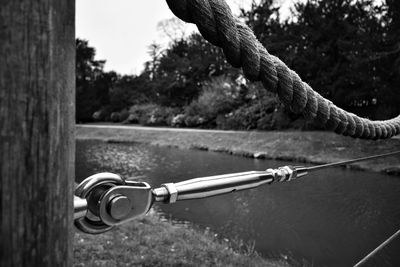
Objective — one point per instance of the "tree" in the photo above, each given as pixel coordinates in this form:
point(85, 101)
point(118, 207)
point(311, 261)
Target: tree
point(178, 73)
point(130, 90)
point(155, 52)
point(387, 60)
point(331, 44)
point(92, 83)
point(173, 28)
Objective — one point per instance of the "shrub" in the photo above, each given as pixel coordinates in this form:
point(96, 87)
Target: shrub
point(143, 109)
point(103, 114)
point(151, 115)
point(194, 121)
point(115, 117)
point(266, 122)
point(277, 120)
point(178, 120)
point(217, 97)
point(243, 118)
point(123, 114)
point(132, 118)
point(120, 116)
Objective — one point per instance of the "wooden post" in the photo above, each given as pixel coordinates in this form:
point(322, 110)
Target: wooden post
point(37, 80)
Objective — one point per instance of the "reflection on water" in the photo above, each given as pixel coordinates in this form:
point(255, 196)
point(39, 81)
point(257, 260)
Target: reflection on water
point(330, 218)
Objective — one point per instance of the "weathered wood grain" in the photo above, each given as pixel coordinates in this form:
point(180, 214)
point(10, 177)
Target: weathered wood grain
point(37, 80)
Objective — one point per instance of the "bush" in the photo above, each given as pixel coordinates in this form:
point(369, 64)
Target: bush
point(132, 118)
point(217, 97)
point(115, 117)
point(103, 114)
point(140, 110)
point(194, 121)
point(244, 118)
point(266, 122)
point(151, 115)
point(123, 115)
point(178, 120)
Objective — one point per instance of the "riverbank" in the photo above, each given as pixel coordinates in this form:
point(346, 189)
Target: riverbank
point(308, 147)
point(149, 241)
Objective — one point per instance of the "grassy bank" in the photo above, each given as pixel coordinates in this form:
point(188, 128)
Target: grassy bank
point(151, 242)
point(311, 147)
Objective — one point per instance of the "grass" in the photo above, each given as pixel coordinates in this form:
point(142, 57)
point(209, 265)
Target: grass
point(149, 241)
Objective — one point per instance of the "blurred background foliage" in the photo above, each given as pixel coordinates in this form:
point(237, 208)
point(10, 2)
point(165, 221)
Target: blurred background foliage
point(348, 51)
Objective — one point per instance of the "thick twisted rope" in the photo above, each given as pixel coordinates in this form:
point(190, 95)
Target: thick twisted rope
point(216, 23)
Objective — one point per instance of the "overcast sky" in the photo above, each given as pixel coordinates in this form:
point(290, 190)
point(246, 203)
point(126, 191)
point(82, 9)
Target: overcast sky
point(121, 30)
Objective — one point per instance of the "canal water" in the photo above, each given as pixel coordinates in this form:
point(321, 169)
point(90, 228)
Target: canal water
point(330, 218)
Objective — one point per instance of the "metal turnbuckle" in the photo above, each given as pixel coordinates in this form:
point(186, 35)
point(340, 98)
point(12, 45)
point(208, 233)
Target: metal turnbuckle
point(105, 200)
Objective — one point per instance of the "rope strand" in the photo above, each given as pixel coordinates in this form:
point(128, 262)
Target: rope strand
point(216, 23)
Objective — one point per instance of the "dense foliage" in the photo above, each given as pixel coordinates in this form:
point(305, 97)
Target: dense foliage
point(349, 51)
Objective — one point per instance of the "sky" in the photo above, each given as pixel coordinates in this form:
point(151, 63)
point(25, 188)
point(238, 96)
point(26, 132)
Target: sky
point(122, 30)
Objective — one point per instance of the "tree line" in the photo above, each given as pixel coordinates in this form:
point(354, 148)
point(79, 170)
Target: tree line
point(348, 51)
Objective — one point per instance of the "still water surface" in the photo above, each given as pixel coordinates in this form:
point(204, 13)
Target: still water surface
point(332, 218)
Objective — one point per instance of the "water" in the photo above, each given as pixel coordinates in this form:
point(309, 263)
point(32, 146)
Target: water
point(330, 218)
